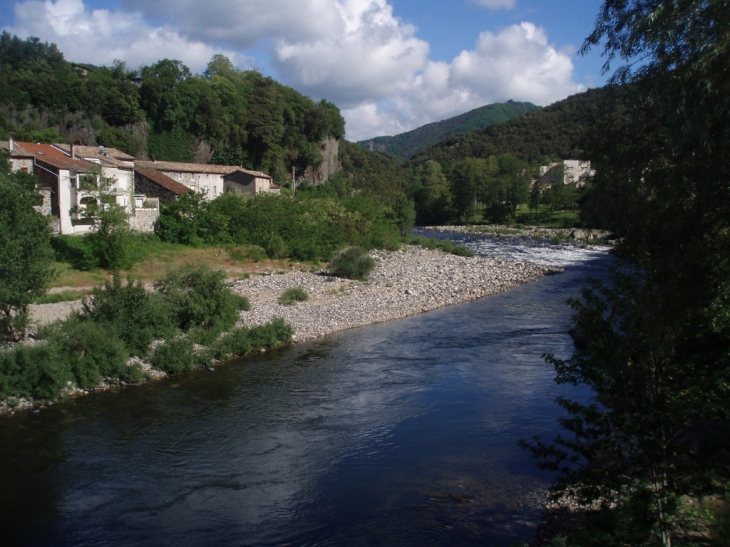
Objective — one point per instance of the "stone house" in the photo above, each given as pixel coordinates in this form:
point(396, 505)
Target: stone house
point(60, 168)
point(20, 159)
point(154, 183)
point(211, 180)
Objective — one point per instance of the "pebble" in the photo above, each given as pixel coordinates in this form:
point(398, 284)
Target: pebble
point(404, 283)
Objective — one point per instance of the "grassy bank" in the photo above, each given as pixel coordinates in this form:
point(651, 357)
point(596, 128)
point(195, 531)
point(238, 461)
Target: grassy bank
point(186, 322)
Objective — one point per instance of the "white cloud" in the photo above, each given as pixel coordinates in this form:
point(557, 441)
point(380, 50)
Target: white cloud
point(497, 4)
point(244, 23)
point(517, 63)
point(372, 57)
point(100, 36)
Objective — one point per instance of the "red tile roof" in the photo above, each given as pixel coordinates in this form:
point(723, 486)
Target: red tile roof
point(195, 168)
point(163, 180)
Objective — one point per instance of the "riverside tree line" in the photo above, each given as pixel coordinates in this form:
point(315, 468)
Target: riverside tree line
point(651, 447)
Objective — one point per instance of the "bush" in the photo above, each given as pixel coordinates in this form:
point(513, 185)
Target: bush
point(33, 371)
point(293, 295)
point(351, 263)
point(199, 297)
point(243, 341)
point(174, 356)
point(92, 353)
point(136, 316)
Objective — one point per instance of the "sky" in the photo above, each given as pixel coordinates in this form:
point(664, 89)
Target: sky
point(389, 65)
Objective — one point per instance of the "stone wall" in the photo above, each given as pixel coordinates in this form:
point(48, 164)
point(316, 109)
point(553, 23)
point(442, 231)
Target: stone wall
point(143, 219)
point(45, 207)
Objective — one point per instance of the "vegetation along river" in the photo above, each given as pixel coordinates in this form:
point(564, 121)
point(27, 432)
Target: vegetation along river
point(402, 433)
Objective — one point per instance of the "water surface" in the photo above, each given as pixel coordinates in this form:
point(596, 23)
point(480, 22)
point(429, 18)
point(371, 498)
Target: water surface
point(402, 433)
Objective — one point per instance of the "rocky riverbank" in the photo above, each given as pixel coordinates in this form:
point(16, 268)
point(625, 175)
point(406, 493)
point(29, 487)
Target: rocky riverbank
point(404, 283)
point(579, 235)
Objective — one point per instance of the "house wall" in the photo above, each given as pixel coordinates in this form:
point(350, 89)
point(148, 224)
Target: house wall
point(21, 164)
point(245, 183)
point(211, 184)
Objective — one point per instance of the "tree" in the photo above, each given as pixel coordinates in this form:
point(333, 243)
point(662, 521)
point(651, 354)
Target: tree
point(26, 256)
point(109, 238)
point(404, 213)
point(657, 357)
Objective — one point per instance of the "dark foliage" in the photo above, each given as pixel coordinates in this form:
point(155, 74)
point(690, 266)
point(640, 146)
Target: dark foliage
point(351, 263)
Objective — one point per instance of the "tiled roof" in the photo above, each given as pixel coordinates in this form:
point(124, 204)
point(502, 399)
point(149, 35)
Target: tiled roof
point(100, 152)
point(163, 180)
point(64, 162)
point(43, 151)
point(18, 151)
point(186, 167)
point(195, 168)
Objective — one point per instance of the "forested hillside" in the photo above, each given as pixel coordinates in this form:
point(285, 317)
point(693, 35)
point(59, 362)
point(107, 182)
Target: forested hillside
point(558, 131)
point(162, 111)
point(407, 144)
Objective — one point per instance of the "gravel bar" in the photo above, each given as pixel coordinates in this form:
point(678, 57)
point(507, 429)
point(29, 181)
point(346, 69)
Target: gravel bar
point(404, 283)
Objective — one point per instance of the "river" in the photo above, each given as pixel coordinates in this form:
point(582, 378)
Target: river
point(402, 433)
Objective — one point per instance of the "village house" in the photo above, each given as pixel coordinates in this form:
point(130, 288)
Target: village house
point(139, 186)
point(211, 180)
point(61, 167)
point(154, 183)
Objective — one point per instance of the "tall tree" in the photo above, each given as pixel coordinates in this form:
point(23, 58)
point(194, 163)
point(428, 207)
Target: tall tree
point(26, 256)
point(657, 355)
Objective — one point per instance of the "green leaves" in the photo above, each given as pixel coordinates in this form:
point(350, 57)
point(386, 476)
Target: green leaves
point(26, 256)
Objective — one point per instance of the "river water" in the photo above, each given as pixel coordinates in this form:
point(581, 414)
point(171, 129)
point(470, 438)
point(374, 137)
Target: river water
point(402, 433)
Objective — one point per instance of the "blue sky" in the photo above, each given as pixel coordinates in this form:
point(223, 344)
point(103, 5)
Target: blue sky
point(390, 65)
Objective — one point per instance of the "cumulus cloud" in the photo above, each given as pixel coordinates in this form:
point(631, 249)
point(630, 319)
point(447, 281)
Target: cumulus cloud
point(517, 63)
point(243, 24)
point(100, 36)
point(372, 57)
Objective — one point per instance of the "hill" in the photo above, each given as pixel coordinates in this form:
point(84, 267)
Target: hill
point(558, 131)
point(164, 112)
point(407, 144)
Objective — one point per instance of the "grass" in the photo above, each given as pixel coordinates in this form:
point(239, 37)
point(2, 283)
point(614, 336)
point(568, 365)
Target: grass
point(293, 295)
point(63, 296)
point(161, 257)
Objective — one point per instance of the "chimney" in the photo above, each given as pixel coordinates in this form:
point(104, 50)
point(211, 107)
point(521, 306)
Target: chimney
point(73, 152)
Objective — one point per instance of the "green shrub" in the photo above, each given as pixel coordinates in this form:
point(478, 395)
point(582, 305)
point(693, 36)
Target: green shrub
point(75, 251)
point(92, 353)
point(174, 356)
point(199, 297)
point(351, 263)
point(293, 295)
point(132, 313)
point(33, 371)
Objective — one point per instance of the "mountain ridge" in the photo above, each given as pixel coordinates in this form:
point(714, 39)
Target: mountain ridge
point(405, 145)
